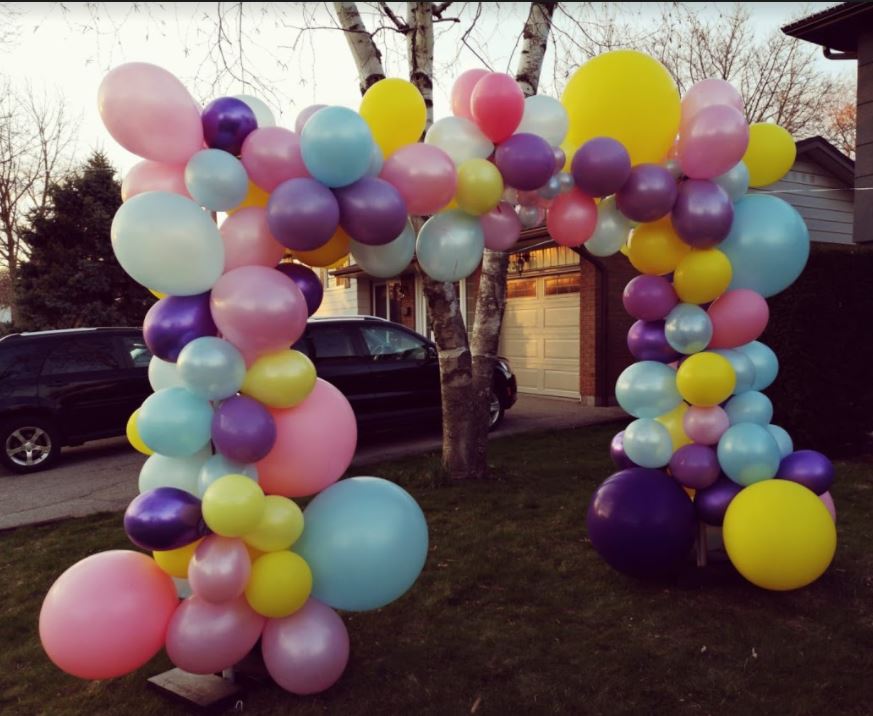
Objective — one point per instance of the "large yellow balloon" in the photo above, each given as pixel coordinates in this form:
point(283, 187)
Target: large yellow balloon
point(625, 95)
point(233, 505)
point(770, 154)
point(280, 380)
point(280, 527)
point(394, 109)
point(133, 436)
point(702, 276)
point(779, 535)
point(705, 379)
point(674, 422)
point(280, 583)
point(255, 197)
point(655, 249)
point(336, 249)
point(175, 561)
point(480, 186)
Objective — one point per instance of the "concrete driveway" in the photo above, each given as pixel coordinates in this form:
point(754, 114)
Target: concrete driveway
point(102, 476)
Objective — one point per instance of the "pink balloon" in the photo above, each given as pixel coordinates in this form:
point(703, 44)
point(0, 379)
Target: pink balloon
point(304, 116)
point(272, 155)
point(315, 443)
point(248, 241)
point(707, 93)
point(203, 638)
point(572, 218)
point(107, 615)
point(497, 104)
point(425, 176)
point(306, 652)
point(258, 309)
point(738, 317)
point(712, 141)
point(705, 425)
point(829, 503)
point(501, 227)
point(150, 113)
point(461, 91)
point(219, 570)
point(154, 176)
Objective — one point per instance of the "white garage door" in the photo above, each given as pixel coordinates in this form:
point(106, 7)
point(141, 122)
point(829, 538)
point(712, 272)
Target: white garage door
point(540, 333)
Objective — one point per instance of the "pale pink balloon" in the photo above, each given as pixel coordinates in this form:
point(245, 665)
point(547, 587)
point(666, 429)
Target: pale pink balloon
point(150, 113)
point(272, 155)
point(705, 425)
point(219, 570)
point(461, 91)
point(497, 104)
point(258, 309)
point(304, 116)
point(712, 141)
point(153, 176)
point(315, 443)
point(424, 175)
point(107, 615)
point(738, 317)
point(829, 503)
point(205, 638)
point(501, 227)
point(708, 93)
point(248, 241)
point(572, 218)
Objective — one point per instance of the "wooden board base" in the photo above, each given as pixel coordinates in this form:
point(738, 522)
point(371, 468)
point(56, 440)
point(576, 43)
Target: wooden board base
point(205, 692)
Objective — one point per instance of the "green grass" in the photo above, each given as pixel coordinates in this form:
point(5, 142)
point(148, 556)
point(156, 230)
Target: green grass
point(515, 613)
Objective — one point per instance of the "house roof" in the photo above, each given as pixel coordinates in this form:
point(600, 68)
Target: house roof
point(836, 28)
point(821, 151)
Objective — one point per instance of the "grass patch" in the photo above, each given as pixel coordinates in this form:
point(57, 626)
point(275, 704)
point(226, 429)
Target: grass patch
point(515, 613)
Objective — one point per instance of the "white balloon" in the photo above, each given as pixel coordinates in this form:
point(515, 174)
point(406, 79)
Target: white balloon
point(460, 139)
point(263, 113)
point(163, 374)
point(386, 260)
point(178, 472)
point(450, 245)
point(611, 231)
point(546, 117)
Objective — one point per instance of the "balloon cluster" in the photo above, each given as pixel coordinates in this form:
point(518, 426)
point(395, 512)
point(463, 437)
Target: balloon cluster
point(239, 423)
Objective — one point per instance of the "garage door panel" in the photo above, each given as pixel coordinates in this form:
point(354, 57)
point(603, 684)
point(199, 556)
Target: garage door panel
point(561, 316)
point(567, 381)
point(561, 348)
point(522, 317)
point(520, 348)
point(528, 379)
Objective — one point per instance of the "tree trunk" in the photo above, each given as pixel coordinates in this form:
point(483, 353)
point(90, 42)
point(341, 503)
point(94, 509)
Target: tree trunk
point(368, 59)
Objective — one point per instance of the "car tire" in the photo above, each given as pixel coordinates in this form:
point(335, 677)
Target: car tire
point(496, 411)
point(29, 443)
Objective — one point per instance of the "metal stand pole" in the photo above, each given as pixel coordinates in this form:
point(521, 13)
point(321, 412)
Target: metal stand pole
point(701, 545)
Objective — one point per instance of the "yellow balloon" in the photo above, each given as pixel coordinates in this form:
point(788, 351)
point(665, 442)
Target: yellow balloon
point(281, 525)
point(255, 197)
point(655, 249)
point(280, 380)
point(157, 294)
point(233, 505)
point(480, 186)
point(628, 96)
point(702, 276)
point(133, 436)
point(705, 379)
point(674, 422)
point(394, 109)
point(336, 249)
point(770, 154)
point(175, 561)
point(253, 553)
point(779, 535)
point(280, 583)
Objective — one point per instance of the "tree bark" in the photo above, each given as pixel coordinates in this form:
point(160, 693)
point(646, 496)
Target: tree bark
point(367, 57)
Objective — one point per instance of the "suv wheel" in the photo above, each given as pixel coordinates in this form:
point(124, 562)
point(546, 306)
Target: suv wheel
point(495, 410)
point(28, 444)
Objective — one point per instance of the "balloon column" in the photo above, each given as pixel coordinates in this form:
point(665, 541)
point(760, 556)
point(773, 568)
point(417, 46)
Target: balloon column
point(239, 423)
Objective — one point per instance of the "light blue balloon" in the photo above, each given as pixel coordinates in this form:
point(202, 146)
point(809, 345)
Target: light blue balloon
point(648, 443)
point(735, 181)
point(743, 367)
point(178, 472)
point(782, 438)
point(748, 453)
point(750, 407)
point(216, 179)
point(377, 161)
point(175, 422)
point(450, 245)
point(365, 540)
point(768, 244)
point(218, 466)
point(647, 389)
point(386, 260)
point(168, 243)
point(765, 361)
point(688, 328)
point(336, 146)
point(211, 368)
point(611, 231)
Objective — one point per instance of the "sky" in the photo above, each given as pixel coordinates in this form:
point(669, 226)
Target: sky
point(65, 49)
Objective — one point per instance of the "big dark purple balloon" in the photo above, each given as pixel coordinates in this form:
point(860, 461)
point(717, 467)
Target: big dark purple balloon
point(227, 121)
point(164, 518)
point(526, 161)
point(307, 281)
point(601, 166)
point(617, 453)
point(642, 523)
point(712, 502)
point(808, 468)
point(695, 466)
point(649, 298)
point(648, 194)
point(703, 213)
point(371, 211)
point(175, 321)
point(646, 341)
point(302, 214)
point(243, 430)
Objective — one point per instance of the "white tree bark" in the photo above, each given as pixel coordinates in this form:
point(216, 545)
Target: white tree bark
point(367, 57)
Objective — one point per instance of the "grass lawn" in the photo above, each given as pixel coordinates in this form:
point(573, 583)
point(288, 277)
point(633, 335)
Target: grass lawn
point(515, 613)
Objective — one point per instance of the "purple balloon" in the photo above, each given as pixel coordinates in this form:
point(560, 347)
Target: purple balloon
point(302, 214)
point(601, 166)
point(648, 194)
point(617, 453)
point(649, 298)
point(712, 502)
point(646, 341)
point(695, 466)
point(243, 430)
point(560, 159)
point(304, 116)
point(227, 121)
point(175, 321)
point(308, 283)
point(808, 468)
point(703, 213)
point(371, 211)
point(164, 518)
point(526, 161)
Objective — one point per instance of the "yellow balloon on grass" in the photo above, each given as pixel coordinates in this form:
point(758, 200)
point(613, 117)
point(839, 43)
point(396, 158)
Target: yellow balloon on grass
point(175, 561)
point(705, 379)
point(628, 96)
point(280, 583)
point(336, 249)
point(255, 197)
point(395, 112)
point(779, 535)
point(480, 186)
point(702, 276)
point(233, 505)
point(281, 525)
point(280, 380)
point(655, 248)
point(133, 436)
point(674, 422)
point(770, 154)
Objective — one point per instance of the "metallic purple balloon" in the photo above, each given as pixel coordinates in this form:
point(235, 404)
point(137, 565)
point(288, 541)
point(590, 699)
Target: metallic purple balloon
point(648, 194)
point(307, 281)
point(560, 159)
point(712, 502)
point(703, 213)
point(175, 321)
point(526, 161)
point(617, 453)
point(695, 466)
point(164, 518)
point(243, 430)
point(808, 468)
point(371, 211)
point(649, 298)
point(646, 341)
point(227, 121)
point(302, 214)
point(601, 166)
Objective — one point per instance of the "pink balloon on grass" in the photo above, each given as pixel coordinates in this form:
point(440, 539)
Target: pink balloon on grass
point(501, 227)
point(738, 317)
point(497, 105)
point(271, 155)
point(708, 93)
point(154, 176)
point(462, 89)
point(248, 241)
point(424, 175)
point(219, 570)
point(712, 142)
point(572, 218)
point(705, 425)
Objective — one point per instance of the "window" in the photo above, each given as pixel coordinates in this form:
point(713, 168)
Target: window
point(139, 352)
point(20, 362)
point(82, 356)
point(333, 342)
point(521, 288)
point(567, 283)
point(385, 343)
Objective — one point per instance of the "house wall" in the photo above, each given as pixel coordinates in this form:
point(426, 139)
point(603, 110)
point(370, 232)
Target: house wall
point(864, 140)
point(341, 296)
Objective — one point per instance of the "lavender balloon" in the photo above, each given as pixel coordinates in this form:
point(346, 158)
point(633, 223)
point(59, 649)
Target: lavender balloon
point(371, 211)
point(649, 298)
point(243, 430)
point(646, 341)
point(308, 283)
point(560, 158)
point(304, 116)
point(809, 468)
point(175, 321)
point(601, 166)
point(703, 213)
point(227, 121)
point(526, 161)
point(302, 214)
point(501, 227)
point(164, 518)
point(712, 502)
point(695, 466)
point(617, 453)
point(648, 194)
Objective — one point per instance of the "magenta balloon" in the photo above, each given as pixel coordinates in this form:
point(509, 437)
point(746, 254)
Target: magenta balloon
point(601, 166)
point(648, 194)
point(738, 317)
point(501, 227)
point(219, 570)
point(705, 425)
point(372, 211)
point(304, 116)
point(713, 141)
point(707, 93)
point(695, 466)
point(303, 214)
point(306, 652)
point(703, 213)
point(461, 91)
point(205, 638)
point(248, 241)
point(271, 155)
point(424, 175)
point(526, 161)
point(649, 298)
point(154, 176)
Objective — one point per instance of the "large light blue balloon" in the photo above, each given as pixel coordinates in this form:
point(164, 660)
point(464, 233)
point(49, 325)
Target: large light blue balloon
point(167, 243)
point(450, 245)
point(748, 453)
point(768, 244)
point(750, 407)
point(218, 466)
point(216, 179)
point(175, 422)
point(211, 368)
point(743, 367)
point(178, 472)
point(336, 146)
point(647, 389)
point(647, 443)
point(365, 540)
point(385, 260)
point(735, 181)
point(688, 328)
point(782, 438)
point(765, 361)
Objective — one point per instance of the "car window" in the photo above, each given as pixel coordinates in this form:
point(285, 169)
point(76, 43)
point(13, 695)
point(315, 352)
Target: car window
point(385, 343)
point(139, 352)
point(81, 356)
point(20, 362)
point(333, 342)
